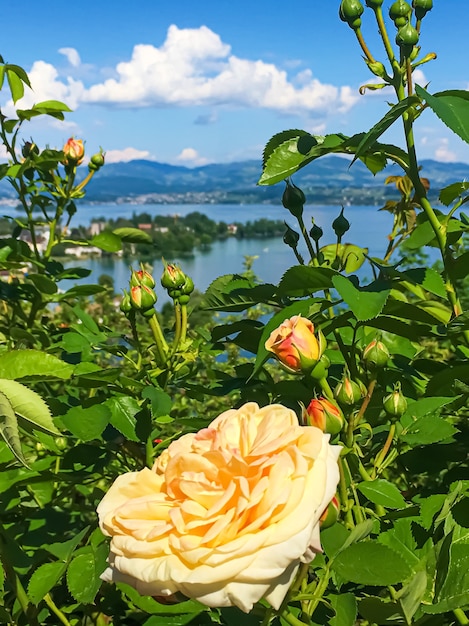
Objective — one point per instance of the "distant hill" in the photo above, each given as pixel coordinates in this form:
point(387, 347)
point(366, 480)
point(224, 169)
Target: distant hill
point(328, 180)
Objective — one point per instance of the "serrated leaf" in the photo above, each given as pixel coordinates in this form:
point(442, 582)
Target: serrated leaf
point(161, 402)
point(43, 283)
point(427, 430)
point(370, 138)
point(364, 303)
point(63, 550)
point(371, 563)
point(132, 235)
point(382, 492)
point(9, 429)
point(452, 107)
point(351, 256)
point(451, 192)
point(380, 611)
point(16, 84)
point(108, 241)
point(29, 405)
point(288, 157)
point(83, 579)
point(87, 423)
point(345, 607)
point(34, 364)
point(123, 411)
point(278, 139)
point(302, 280)
point(43, 579)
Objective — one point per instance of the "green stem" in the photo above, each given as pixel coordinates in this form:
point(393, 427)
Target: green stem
point(291, 619)
point(349, 521)
point(306, 237)
point(326, 388)
point(53, 607)
point(149, 452)
point(363, 46)
point(161, 345)
point(183, 322)
point(461, 617)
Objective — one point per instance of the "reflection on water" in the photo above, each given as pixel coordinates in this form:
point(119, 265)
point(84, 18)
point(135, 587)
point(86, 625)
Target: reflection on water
point(368, 227)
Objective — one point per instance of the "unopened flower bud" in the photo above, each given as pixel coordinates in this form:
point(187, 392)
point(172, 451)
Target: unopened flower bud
point(188, 287)
point(296, 345)
point(325, 414)
point(125, 305)
point(142, 298)
point(348, 392)
point(173, 277)
point(375, 355)
point(291, 237)
point(142, 277)
point(293, 199)
point(29, 148)
point(340, 224)
point(421, 7)
point(331, 514)
point(96, 161)
point(395, 403)
point(74, 152)
point(350, 12)
point(316, 233)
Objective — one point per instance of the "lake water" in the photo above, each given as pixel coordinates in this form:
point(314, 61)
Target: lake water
point(369, 227)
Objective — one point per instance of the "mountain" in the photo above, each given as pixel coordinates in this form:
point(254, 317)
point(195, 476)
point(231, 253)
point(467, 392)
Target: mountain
point(325, 181)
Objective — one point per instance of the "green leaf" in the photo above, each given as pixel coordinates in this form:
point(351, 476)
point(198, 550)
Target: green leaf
point(382, 492)
point(301, 280)
point(287, 153)
point(15, 83)
point(452, 107)
point(365, 304)
point(370, 138)
point(411, 595)
point(161, 402)
point(132, 235)
point(9, 429)
point(345, 607)
point(451, 192)
point(379, 611)
point(87, 423)
point(86, 319)
point(371, 563)
point(83, 579)
point(426, 430)
point(29, 405)
point(33, 364)
point(351, 257)
point(43, 579)
point(108, 241)
point(81, 290)
point(63, 550)
point(123, 411)
point(428, 278)
point(43, 284)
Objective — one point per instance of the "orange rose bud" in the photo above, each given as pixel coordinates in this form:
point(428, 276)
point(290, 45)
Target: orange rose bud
point(375, 354)
point(324, 414)
point(296, 345)
point(142, 277)
point(331, 514)
point(142, 298)
point(74, 152)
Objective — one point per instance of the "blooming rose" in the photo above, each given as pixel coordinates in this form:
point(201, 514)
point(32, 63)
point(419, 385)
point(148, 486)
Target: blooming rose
point(295, 344)
point(226, 515)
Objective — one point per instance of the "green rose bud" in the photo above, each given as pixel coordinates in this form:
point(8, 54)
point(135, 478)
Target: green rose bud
point(142, 298)
point(398, 10)
point(395, 403)
point(125, 305)
point(142, 277)
point(421, 7)
point(173, 277)
point(316, 233)
point(340, 224)
point(293, 199)
point(291, 238)
point(375, 355)
point(348, 392)
point(96, 161)
point(407, 36)
point(350, 12)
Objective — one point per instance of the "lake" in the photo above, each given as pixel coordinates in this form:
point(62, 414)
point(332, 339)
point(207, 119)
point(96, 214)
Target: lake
point(369, 227)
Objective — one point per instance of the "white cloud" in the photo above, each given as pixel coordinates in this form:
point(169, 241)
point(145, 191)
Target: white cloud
point(194, 67)
point(127, 154)
point(72, 56)
point(443, 153)
point(190, 156)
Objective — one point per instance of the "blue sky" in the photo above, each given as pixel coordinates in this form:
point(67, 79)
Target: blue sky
point(189, 83)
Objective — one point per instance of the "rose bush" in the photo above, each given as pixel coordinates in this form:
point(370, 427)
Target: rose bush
point(225, 515)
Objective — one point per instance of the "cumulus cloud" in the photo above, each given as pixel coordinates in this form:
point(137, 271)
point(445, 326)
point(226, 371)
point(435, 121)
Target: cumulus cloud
point(125, 155)
point(190, 156)
point(194, 67)
point(443, 153)
point(72, 56)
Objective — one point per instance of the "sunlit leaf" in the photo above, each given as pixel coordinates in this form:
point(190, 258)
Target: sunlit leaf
point(452, 107)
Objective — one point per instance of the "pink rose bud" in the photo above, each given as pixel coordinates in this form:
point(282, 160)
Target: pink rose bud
point(295, 344)
point(331, 514)
point(325, 414)
point(348, 391)
point(74, 151)
point(142, 298)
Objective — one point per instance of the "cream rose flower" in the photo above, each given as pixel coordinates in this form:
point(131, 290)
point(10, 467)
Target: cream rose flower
point(225, 515)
